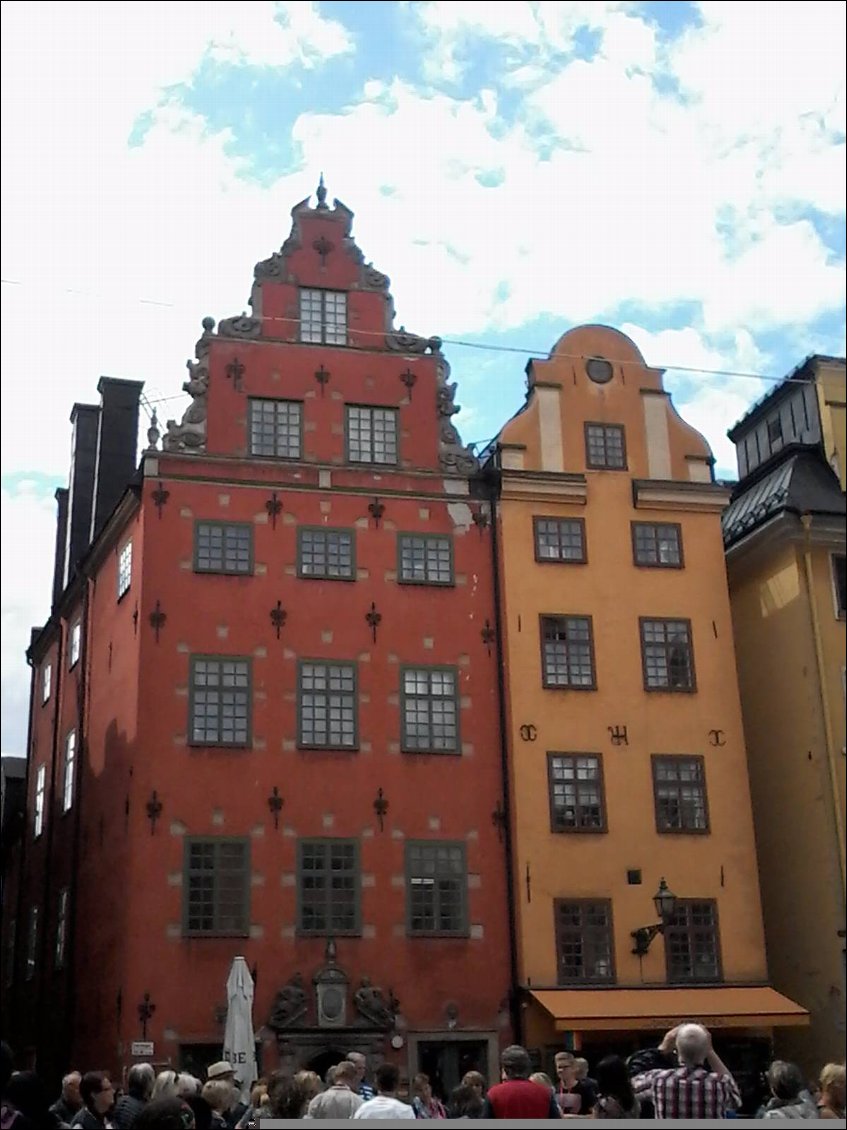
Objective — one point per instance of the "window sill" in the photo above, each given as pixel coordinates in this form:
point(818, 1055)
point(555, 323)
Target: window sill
point(426, 584)
point(460, 935)
point(210, 935)
point(328, 748)
point(322, 577)
point(557, 687)
point(198, 572)
point(357, 933)
point(580, 831)
point(248, 746)
point(683, 831)
point(670, 690)
point(431, 752)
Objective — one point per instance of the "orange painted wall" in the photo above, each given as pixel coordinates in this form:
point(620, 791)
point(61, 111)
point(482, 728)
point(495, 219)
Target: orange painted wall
point(615, 592)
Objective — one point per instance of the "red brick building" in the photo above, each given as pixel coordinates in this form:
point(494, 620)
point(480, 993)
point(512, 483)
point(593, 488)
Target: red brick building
point(265, 712)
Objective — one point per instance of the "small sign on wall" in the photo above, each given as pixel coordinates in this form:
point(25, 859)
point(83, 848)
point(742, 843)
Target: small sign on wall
point(142, 1048)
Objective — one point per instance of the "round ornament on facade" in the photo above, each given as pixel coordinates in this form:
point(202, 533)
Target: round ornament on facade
point(599, 370)
point(397, 1042)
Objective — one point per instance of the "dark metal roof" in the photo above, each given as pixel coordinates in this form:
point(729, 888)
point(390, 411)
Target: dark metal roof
point(804, 373)
point(801, 483)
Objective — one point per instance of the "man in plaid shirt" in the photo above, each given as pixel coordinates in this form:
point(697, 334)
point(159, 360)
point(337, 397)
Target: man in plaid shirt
point(690, 1090)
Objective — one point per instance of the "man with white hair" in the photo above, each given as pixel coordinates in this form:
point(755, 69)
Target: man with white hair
point(700, 1086)
point(69, 1104)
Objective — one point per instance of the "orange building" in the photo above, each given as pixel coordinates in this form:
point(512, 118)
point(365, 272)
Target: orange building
point(628, 762)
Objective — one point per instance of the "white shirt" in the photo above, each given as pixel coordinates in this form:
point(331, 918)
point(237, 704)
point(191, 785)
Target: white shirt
point(383, 1106)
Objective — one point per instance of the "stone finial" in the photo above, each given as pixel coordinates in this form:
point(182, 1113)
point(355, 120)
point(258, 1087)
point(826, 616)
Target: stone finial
point(153, 433)
point(321, 194)
point(208, 324)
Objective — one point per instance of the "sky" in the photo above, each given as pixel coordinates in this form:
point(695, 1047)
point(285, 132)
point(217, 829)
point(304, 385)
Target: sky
point(676, 170)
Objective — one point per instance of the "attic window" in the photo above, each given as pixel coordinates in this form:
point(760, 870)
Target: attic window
point(775, 432)
point(323, 317)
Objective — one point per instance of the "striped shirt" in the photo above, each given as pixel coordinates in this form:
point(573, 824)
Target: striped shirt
point(688, 1092)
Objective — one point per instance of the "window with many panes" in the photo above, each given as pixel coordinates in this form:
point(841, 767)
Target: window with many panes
point(839, 584)
point(216, 887)
point(666, 654)
point(276, 428)
point(576, 792)
point(692, 945)
point(46, 682)
point(584, 941)
point(220, 701)
point(40, 790)
point(124, 569)
point(559, 539)
point(659, 545)
point(424, 559)
point(32, 943)
point(567, 652)
point(328, 884)
point(70, 771)
point(605, 446)
point(436, 888)
point(371, 434)
point(61, 929)
point(74, 643)
point(327, 705)
point(323, 316)
point(223, 547)
point(430, 710)
point(679, 788)
point(326, 554)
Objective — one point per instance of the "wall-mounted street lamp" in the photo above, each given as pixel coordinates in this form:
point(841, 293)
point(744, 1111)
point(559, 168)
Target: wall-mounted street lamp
point(664, 901)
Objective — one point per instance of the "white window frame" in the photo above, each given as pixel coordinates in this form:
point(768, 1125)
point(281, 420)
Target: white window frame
point(74, 644)
point(46, 682)
point(840, 613)
point(59, 951)
point(40, 794)
point(125, 569)
point(70, 772)
point(330, 326)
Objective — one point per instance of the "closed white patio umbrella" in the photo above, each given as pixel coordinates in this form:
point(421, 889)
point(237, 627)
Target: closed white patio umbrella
point(239, 1041)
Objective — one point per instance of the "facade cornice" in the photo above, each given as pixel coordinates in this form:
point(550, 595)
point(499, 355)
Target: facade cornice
point(660, 494)
point(786, 528)
point(544, 486)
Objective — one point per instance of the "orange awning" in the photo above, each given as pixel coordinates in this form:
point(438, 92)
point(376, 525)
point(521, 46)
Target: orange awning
point(586, 1010)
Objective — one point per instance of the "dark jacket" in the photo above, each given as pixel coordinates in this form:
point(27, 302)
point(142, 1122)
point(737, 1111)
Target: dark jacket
point(64, 1112)
point(127, 1109)
point(88, 1120)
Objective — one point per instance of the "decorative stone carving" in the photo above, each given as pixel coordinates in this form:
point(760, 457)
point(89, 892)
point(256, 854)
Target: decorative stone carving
point(372, 1006)
point(240, 326)
point(453, 457)
point(403, 342)
point(372, 279)
point(331, 988)
point(190, 433)
point(289, 1004)
point(272, 268)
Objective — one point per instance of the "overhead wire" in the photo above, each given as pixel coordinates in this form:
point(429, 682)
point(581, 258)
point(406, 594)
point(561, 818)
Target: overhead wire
point(459, 343)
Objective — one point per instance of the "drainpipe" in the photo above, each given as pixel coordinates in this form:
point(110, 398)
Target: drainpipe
point(514, 1004)
point(806, 520)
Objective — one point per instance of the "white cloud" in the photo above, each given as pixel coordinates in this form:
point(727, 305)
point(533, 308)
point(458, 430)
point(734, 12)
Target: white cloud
point(629, 195)
point(27, 523)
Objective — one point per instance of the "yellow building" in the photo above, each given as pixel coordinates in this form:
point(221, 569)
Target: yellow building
point(785, 551)
point(627, 754)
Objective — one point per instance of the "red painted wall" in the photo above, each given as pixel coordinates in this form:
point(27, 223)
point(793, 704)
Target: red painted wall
point(129, 893)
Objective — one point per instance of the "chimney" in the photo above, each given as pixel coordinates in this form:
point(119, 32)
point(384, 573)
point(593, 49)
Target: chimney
point(85, 419)
point(117, 446)
point(61, 543)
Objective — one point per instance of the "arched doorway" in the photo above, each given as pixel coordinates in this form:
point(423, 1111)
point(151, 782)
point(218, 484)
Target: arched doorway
point(322, 1060)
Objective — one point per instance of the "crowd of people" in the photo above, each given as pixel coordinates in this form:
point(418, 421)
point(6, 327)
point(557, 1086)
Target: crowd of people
point(683, 1077)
